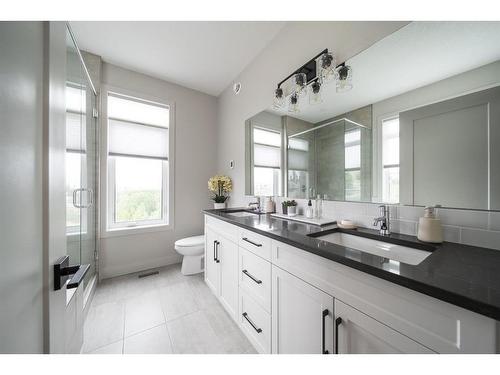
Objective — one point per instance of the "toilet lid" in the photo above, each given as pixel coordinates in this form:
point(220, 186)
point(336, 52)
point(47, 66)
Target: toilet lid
point(190, 241)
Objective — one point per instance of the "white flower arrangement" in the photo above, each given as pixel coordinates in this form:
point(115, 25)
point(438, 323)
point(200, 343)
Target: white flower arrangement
point(220, 186)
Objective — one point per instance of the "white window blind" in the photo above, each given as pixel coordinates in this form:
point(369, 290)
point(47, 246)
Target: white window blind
point(130, 109)
point(298, 156)
point(126, 138)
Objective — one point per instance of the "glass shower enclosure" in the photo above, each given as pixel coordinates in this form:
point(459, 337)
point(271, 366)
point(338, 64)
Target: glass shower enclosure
point(81, 162)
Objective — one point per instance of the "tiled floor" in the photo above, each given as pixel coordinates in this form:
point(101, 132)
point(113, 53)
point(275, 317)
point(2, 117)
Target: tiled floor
point(164, 313)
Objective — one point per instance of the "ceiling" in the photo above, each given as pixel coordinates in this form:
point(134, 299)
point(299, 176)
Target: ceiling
point(414, 56)
point(204, 56)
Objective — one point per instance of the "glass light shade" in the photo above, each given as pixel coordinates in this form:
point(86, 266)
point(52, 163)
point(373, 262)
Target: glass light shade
point(344, 78)
point(299, 81)
point(279, 98)
point(327, 65)
point(294, 104)
point(315, 93)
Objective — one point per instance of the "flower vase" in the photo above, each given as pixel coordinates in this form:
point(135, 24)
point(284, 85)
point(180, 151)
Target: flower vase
point(219, 206)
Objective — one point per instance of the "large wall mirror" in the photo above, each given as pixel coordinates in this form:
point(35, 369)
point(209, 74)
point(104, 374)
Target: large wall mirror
point(421, 126)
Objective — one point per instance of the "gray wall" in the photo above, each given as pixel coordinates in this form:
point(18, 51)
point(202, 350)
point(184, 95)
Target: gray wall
point(21, 179)
point(296, 43)
point(195, 162)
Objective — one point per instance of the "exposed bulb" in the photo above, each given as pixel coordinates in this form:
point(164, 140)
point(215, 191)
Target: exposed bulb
point(279, 98)
point(327, 67)
point(315, 93)
point(294, 104)
point(344, 78)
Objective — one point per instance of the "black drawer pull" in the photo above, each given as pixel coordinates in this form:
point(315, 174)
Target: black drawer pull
point(253, 243)
point(252, 277)
point(245, 315)
point(217, 243)
point(323, 339)
point(338, 322)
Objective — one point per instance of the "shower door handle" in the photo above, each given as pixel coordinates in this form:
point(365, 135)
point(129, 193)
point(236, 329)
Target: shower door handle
point(62, 270)
point(90, 200)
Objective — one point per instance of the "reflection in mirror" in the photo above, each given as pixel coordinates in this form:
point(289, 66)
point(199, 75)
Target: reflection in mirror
point(420, 126)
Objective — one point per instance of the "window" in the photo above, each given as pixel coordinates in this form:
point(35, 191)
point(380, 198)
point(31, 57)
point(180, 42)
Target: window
point(390, 160)
point(352, 146)
point(138, 163)
point(76, 158)
point(266, 162)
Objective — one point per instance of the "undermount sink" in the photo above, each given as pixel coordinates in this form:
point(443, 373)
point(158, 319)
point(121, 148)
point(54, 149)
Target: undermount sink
point(241, 213)
point(388, 250)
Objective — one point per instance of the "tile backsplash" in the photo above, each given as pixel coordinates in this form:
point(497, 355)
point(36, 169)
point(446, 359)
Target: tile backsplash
point(478, 228)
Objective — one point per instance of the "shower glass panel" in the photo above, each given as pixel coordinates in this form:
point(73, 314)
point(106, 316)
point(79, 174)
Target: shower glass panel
point(81, 162)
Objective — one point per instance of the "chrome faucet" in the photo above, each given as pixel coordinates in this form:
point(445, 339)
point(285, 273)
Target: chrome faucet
point(256, 204)
point(383, 218)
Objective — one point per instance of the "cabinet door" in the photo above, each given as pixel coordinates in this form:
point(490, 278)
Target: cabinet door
point(212, 269)
point(302, 316)
point(358, 333)
point(228, 257)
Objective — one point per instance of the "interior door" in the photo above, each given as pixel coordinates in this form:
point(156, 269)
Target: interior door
point(302, 319)
point(358, 333)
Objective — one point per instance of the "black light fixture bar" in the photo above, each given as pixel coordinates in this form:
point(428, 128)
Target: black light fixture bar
point(308, 68)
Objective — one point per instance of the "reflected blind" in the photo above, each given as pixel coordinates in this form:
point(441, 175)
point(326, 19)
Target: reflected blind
point(137, 128)
point(298, 155)
point(266, 148)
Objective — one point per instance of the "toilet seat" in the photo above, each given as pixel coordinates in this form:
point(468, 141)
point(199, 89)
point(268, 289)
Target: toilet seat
point(191, 242)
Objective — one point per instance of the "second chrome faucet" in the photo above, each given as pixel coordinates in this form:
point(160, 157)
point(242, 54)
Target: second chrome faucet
point(384, 219)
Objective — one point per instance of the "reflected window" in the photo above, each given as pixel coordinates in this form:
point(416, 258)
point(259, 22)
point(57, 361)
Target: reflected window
point(298, 168)
point(352, 145)
point(266, 162)
point(138, 140)
point(390, 160)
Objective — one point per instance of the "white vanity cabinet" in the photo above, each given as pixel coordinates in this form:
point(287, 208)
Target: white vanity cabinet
point(302, 318)
point(221, 269)
point(287, 300)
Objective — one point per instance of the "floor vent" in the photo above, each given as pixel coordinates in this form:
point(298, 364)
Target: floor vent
point(148, 274)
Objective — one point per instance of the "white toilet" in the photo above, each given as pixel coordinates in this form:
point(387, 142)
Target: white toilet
point(192, 249)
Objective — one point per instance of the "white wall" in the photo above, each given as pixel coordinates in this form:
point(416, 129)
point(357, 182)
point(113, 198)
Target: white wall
point(296, 43)
point(21, 182)
point(195, 162)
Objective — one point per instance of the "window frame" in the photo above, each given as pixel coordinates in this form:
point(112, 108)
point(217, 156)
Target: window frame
point(277, 180)
point(353, 169)
point(109, 228)
point(378, 162)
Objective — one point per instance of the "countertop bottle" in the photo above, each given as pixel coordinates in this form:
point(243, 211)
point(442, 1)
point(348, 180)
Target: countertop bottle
point(309, 210)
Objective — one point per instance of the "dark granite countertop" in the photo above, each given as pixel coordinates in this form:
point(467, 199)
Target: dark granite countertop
point(463, 275)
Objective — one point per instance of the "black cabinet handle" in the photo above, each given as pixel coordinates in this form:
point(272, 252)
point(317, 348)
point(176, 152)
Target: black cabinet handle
point(252, 277)
point(338, 322)
point(253, 243)
point(245, 315)
point(217, 243)
point(215, 256)
point(323, 333)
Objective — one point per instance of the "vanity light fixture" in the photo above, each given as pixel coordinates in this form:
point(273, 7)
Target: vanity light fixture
point(311, 77)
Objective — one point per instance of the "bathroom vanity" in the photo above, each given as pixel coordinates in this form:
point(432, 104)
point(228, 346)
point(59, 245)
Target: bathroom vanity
point(297, 288)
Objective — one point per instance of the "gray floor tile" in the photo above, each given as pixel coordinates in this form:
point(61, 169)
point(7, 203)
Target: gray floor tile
point(192, 334)
point(153, 341)
point(143, 312)
point(114, 348)
point(169, 275)
point(104, 325)
point(204, 297)
point(177, 300)
point(228, 333)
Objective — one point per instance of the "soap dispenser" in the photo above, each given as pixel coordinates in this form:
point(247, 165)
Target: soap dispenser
point(429, 227)
point(309, 210)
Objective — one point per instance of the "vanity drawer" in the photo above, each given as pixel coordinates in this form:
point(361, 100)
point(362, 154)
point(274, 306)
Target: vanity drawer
point(255, 323)
point(256, 243)
point(255, 277)
point(230, 231)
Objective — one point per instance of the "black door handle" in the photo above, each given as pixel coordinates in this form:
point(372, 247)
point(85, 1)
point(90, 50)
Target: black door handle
point(323, 333)
point(217, 243)
point(257, 281)
point(338, 322)
point(245, 315)
point(62, 270)
point(215, 256)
